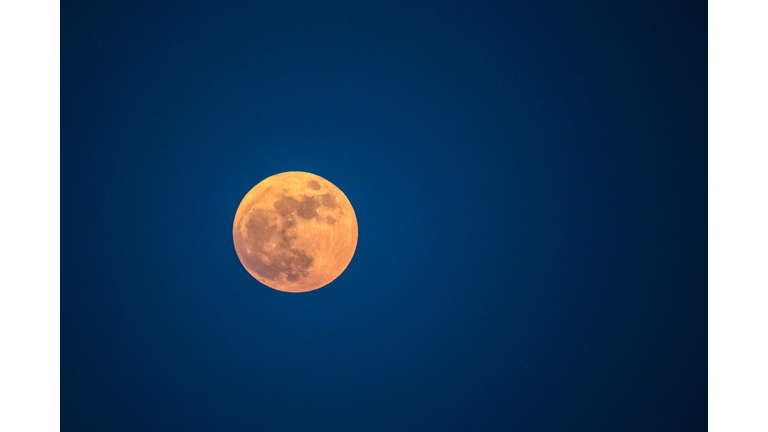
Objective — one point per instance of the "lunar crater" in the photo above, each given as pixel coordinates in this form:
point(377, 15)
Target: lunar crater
point(270, 251)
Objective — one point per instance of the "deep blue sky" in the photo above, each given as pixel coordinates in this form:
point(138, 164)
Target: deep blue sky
point(530, 182)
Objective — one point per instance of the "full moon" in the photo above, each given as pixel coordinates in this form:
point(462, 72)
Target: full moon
point(295, 232)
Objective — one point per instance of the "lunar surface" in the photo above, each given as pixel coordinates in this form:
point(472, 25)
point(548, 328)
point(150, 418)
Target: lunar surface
point(295, 232)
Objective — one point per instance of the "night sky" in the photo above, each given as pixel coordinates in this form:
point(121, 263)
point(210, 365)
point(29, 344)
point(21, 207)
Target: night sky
point(530, 183)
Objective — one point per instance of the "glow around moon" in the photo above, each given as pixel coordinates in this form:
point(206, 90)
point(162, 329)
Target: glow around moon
point(295, 232)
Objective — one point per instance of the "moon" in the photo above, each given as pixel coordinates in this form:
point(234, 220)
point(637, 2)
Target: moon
point(295, 232)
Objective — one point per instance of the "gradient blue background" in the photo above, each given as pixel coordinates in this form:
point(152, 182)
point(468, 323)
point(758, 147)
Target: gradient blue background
point(530, 182)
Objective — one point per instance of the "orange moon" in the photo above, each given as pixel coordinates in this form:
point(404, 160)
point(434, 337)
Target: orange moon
point(295, 232)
